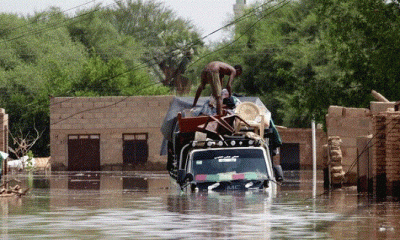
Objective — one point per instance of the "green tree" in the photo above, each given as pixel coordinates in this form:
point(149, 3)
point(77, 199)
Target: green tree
point(364, 39)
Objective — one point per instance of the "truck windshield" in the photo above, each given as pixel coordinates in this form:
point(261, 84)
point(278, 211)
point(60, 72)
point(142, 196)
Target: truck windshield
point(229, 164)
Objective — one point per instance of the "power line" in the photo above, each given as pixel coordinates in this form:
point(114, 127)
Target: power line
point(54, 25)
point(239, 19)
point(24, 25)
point(106, 106)
point(193, 43)
point(146, 63)
point(283, 3)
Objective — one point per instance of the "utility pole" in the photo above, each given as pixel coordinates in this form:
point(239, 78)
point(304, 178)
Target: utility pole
point(314, 157)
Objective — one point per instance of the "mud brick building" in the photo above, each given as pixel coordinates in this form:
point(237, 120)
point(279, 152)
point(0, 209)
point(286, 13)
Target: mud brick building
point(106, 133)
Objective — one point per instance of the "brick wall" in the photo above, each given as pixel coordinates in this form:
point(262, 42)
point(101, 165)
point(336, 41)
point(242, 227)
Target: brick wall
point(303, 137)
point(386, 154)
point(111, 117)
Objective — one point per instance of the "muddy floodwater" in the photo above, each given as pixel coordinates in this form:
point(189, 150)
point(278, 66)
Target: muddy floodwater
point(135, 205)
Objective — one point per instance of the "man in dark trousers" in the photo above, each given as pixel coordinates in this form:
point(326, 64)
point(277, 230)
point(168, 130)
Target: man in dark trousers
point(213, 74)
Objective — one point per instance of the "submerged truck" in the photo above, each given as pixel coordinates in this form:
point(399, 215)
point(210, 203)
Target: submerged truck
point(219, 153)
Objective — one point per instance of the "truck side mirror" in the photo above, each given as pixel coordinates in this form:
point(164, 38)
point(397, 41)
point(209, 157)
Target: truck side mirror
point(278, 172)
point(183, 176)
point(189, 177)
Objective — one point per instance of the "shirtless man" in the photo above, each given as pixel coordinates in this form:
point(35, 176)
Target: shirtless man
point(213, 74)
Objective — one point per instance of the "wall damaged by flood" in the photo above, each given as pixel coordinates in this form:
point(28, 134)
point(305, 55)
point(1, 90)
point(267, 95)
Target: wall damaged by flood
point(386, 154)
point(348, 124)
point(370, 141)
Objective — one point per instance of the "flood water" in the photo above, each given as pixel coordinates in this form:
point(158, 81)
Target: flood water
point(136, 205)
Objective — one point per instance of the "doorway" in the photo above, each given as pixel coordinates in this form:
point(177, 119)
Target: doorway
point(84, 152)
point(290, 156)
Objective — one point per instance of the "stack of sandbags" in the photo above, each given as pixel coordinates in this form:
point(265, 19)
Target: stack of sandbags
point(335, 160)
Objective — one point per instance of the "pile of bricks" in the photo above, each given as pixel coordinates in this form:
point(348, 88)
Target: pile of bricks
point(333, 161)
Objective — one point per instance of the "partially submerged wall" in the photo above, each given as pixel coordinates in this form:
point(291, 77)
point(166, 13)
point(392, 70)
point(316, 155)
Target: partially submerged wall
point(303, 137)
point(110, 118)
point(365, 143)
point(386, 154)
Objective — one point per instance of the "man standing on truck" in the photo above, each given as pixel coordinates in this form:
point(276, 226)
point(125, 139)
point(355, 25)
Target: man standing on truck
point(213, 74)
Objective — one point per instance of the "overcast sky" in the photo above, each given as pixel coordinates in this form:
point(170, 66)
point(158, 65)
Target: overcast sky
point(207, 15)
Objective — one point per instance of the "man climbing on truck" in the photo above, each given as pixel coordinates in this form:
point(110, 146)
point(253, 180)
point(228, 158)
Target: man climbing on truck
point(213, 74)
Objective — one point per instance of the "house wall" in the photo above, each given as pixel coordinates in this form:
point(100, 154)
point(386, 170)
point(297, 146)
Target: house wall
point(303, 137)
point(111, 117)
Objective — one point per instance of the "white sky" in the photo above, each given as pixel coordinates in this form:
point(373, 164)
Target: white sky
point(207, 15)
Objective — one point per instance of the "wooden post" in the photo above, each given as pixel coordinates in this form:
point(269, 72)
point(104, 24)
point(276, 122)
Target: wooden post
point(378, 96)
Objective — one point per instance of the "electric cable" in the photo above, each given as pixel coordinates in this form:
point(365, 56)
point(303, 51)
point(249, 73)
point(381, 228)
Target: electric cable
point(106, 106)
point(55, 25)
point(367, 147)
point(283, 3)
point(30, 23)
point(146, 63)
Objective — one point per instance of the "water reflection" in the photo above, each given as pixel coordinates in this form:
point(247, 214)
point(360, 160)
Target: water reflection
point(81, 181)
point(135, 183)
point(143, 206)
point(226, 216)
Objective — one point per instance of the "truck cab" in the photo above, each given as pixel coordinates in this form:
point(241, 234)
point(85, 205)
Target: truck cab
point(232, 163)
point(223, 166)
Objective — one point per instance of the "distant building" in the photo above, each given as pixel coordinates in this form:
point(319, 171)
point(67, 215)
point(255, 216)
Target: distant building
point(239, 7)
